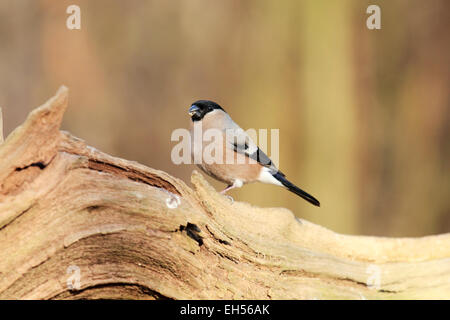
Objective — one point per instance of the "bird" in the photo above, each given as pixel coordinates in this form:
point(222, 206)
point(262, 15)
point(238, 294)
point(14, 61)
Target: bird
point(210, 115)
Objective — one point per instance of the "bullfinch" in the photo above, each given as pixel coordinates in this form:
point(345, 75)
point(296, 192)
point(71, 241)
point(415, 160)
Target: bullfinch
point(249, 163)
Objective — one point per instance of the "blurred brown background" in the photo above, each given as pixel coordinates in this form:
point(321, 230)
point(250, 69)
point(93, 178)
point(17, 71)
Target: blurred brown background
point(364, 115)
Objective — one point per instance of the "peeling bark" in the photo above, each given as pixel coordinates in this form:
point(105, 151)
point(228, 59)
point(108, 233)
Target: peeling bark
point(136, 232)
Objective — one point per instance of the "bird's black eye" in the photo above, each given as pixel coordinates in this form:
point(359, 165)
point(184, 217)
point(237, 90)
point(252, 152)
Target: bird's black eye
point(202, 107)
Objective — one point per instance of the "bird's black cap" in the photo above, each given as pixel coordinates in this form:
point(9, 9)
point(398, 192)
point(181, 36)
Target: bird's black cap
point(201, 107)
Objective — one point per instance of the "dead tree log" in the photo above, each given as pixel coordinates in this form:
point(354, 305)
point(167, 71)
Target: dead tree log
point(78, 223)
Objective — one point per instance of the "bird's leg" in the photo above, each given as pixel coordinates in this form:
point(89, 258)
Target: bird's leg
point(229, 187)
point(236, 184)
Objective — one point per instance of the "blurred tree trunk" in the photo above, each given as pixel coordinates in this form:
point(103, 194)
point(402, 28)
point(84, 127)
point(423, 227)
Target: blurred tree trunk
point(328, 120)
point(421, 111)
point(403, 103)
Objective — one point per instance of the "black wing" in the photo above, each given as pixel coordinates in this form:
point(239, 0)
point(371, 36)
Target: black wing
point(258, 155)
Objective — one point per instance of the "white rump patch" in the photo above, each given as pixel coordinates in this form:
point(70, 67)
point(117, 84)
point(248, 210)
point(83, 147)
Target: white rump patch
point(266, 177)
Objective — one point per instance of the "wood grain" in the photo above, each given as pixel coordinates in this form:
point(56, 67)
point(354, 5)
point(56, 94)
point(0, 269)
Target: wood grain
point(139, 233)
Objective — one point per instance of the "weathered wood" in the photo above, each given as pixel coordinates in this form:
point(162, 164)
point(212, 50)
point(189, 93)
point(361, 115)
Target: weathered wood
point(66, 206)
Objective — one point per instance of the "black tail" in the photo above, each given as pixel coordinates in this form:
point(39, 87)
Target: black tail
point(293, 188)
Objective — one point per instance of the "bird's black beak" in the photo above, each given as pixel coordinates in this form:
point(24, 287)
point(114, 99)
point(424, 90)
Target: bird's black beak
point(193, 110)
